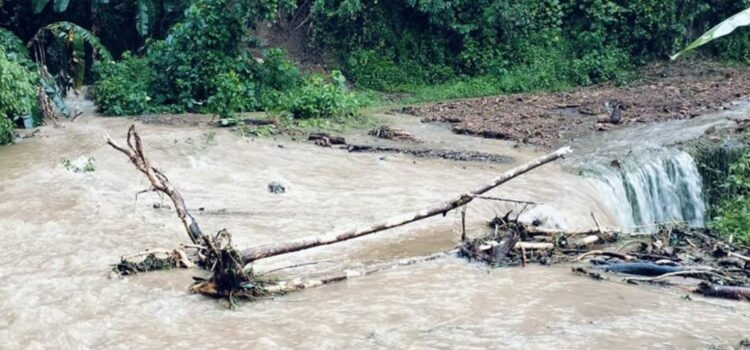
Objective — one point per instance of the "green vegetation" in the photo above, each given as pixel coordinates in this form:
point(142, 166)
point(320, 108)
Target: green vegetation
point(725, 171)
point(733, 212)
point(202, 56)
point(122, 87)
point(318, 98)
point(726, 27)
point(19, 99)
point(80, 165)
point(203, 67)
point(446, 49)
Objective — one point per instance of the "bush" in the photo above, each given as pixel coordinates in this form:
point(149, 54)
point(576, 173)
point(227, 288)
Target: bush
point(232, 95)
point(371, 69)
point(733, 214)
point(122, 88)
point(735, 47)
point(6, 131)
point(14, 49)
point(17, 95)
point(319, 98)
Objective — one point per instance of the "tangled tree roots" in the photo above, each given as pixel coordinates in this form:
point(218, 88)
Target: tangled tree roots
point(231, 277)
point(513, 243)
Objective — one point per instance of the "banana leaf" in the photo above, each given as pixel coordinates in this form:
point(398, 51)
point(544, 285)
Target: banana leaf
point(143, 17)
point(60, 5)
point(39, 5)
point(68, 30)
point(55, 95)
point(727, 26)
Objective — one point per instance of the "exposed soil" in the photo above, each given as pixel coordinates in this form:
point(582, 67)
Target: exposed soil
point(667, 91)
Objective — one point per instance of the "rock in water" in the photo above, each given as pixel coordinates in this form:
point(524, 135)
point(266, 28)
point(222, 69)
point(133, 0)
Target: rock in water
point(276, 188)
point(616, 116)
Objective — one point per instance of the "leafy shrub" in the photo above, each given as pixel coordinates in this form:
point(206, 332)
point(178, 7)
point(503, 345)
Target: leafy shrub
point(735, 47)
point(207, 43)
point(277, 72)
point(733, 214)
point(232, 95)
point(6, 130)
point(122, 88)
point(17, 95)
point(319, 98)
point(371, 69)
point(714, 162)
point(14, 48)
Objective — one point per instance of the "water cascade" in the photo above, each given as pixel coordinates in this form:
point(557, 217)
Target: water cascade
point(656, 186)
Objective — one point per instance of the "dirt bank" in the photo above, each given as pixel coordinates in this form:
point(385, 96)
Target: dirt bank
point(667, 91)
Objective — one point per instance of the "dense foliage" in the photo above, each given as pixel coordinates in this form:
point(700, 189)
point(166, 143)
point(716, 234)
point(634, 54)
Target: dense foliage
point(733, 212)
point(318, 98)
point(517, 45)
point(19, 99)
point(201, 55)
point(203, 66)
point(123, 86)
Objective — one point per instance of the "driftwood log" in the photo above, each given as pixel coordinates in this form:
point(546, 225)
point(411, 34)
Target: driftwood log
point(726, 292)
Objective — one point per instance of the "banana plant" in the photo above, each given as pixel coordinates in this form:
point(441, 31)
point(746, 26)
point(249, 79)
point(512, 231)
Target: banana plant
point(727, 26)
point(71, 32)
point(74, 38)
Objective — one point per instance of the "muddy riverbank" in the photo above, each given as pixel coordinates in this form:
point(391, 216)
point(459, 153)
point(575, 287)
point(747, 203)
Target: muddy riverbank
point(667, 91)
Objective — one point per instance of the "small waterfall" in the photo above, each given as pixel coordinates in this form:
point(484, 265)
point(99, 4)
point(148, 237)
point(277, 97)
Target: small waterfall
point(655, 186)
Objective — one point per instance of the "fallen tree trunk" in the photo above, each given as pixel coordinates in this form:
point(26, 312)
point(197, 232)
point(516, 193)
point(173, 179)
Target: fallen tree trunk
point(726, 292)
point(274, 249)
point(642, 268)
point(260, 288)
point(159, 181)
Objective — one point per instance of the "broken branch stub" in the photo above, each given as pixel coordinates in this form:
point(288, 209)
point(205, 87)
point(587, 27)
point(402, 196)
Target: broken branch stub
point(158, 180)
point(274, 249)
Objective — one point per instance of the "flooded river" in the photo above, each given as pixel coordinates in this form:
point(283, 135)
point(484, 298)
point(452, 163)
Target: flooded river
point(61, 230)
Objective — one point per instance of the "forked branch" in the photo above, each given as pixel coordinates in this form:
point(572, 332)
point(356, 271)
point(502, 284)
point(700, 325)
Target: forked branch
point(158, 180)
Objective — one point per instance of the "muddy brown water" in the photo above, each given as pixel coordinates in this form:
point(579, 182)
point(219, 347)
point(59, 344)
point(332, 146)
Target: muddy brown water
point(61, 230)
